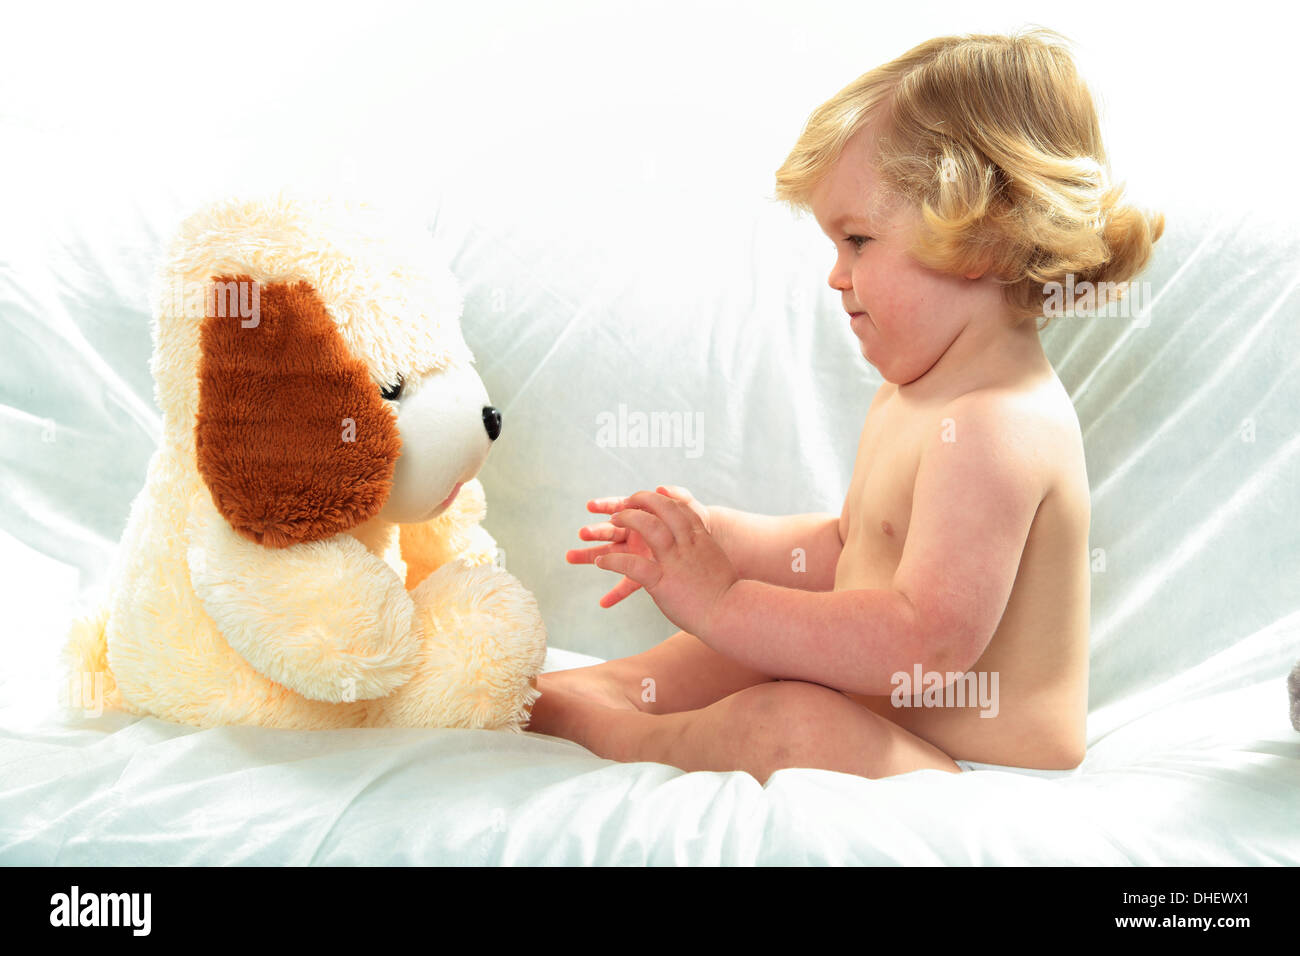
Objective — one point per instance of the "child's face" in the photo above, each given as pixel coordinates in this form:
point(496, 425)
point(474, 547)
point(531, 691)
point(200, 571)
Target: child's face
point(906, 314)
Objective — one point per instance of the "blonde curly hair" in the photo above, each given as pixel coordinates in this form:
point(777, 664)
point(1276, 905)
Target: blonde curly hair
point(995, 141)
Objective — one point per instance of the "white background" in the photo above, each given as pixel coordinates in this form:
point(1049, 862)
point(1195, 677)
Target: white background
point(601, 175)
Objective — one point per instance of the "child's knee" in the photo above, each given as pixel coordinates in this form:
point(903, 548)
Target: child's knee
point(783, 716)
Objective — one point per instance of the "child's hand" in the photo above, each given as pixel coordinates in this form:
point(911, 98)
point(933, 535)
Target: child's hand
point(686, 573)
point(688, 499)
point(623, 540)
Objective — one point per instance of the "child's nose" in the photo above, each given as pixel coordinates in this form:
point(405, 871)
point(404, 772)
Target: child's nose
point(839, 278)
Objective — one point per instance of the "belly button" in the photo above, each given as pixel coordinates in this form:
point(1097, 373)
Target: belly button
point(885, 527)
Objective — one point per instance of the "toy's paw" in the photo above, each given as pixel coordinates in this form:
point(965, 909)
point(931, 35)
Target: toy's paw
point(456, 533)
point(484, 645)
point(326, 619)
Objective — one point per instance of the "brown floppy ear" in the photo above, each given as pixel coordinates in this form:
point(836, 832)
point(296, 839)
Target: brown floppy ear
point(292, 437)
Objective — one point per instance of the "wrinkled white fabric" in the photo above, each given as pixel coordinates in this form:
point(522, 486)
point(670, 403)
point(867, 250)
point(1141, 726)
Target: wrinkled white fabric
point(600, 188)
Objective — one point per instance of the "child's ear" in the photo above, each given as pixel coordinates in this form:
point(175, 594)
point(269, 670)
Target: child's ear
point(980, 268)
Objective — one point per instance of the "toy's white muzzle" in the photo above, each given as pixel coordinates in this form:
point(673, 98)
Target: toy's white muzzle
point(447, 427)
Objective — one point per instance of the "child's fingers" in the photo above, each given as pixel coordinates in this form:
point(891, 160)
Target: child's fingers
point(655, 533)
point(619, 591)
point(689, 503)
point(676, 491)
point(606, 506)
point(641, 570)
point(589, 555)
point(677, 517)
point(602, 532)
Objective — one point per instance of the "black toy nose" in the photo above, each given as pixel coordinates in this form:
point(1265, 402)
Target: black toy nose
point(492, 421)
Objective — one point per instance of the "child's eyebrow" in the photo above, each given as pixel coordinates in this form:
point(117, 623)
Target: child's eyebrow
point(861, 216)
point(840, 221)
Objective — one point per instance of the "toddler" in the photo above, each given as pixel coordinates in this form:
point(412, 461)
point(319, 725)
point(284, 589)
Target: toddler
point(940, 621)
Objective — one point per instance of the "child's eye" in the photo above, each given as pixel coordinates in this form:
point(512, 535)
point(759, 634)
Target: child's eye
point(858, 241)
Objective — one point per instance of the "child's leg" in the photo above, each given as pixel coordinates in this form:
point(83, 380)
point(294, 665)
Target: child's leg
point(682, 673)
point(761, 729)
point(794, 723)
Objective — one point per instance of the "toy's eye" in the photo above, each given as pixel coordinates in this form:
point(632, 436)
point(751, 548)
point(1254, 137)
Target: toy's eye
point(392, 393)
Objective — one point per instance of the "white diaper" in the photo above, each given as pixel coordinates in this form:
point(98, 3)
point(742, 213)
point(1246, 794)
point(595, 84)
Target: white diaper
point(973, 765)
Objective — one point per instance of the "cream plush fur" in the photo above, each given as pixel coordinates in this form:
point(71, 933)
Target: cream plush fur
point(207, 627)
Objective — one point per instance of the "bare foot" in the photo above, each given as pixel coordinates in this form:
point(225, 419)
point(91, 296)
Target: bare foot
point(571, 699)
point(594, 683)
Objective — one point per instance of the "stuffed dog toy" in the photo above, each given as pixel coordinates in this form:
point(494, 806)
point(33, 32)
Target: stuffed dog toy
point(306, 551)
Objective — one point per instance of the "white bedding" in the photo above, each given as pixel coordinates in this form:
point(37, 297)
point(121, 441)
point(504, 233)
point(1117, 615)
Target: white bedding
point(1170, 784)
point(605, 213)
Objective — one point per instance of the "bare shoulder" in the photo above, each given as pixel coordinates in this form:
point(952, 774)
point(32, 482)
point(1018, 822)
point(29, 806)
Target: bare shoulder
point(1044, 406)
point(1036, 427)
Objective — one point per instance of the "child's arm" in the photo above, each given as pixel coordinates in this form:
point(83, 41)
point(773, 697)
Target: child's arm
point(793, 551)
point(973, 504)
point(762, 547)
